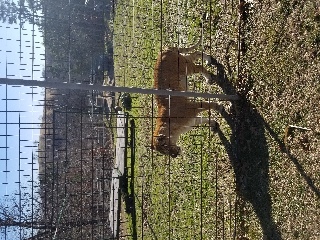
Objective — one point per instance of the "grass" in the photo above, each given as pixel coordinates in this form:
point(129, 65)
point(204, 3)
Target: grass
point(206, 193)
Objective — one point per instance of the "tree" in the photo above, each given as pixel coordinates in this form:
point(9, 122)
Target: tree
point(18, 217)
point(20, 212)
point(12, 12)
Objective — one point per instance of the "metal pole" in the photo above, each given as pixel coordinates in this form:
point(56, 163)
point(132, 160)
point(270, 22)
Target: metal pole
point(80, 86)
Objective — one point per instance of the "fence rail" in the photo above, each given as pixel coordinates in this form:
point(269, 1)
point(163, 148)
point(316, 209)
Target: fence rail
point(115, 89)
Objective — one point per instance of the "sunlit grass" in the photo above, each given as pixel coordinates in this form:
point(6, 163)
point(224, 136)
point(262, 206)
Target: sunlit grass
point(194, 195)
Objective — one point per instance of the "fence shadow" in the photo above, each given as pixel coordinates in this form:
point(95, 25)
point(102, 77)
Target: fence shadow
point(248, 153)
point(131, 199)
point(129, 196)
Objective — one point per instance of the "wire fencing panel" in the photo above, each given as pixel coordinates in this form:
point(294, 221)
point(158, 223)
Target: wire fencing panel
point(61, 166)
point(65, 163)
point(192, 196)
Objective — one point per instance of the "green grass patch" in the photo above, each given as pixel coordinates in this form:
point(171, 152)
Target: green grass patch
point(193, 196)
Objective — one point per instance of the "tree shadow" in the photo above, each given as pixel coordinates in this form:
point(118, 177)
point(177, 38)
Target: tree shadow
point(294, 160)
point(249, 156)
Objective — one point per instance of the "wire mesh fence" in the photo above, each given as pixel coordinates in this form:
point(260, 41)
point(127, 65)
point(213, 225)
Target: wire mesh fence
point(94, 146)
point(75, 191)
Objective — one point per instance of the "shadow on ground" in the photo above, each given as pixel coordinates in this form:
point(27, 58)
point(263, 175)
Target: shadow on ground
point(249, 156)
point(248, 153)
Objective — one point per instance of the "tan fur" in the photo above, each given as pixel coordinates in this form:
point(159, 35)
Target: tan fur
point(177, 115)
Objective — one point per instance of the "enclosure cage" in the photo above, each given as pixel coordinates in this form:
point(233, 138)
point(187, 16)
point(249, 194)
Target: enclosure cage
point(79, 112)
